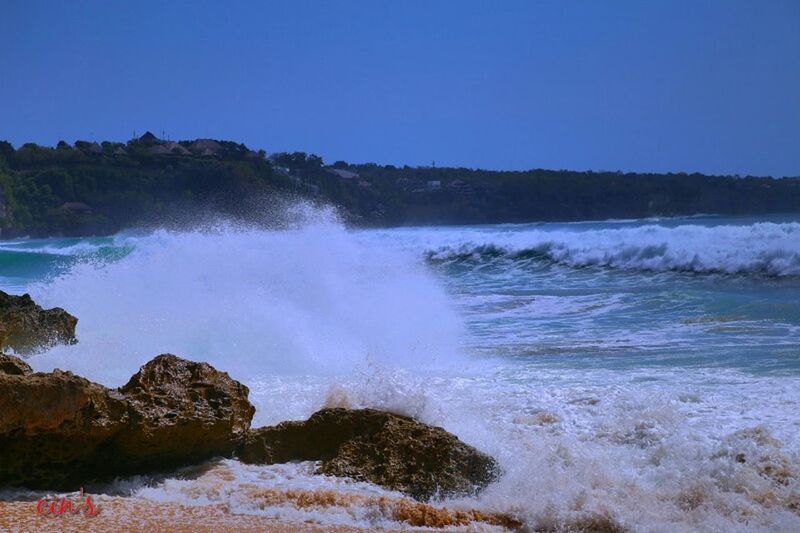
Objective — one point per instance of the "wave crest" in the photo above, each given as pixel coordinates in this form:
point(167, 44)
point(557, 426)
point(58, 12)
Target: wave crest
point(765, 249)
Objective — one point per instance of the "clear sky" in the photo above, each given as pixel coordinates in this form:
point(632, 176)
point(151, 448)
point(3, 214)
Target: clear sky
point(695, 85)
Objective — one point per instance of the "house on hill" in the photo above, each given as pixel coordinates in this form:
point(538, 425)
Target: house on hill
point(87, 147)
point(205, 147)
point(169, 148)
point(149, 139)
point(342, 173)
point(461, 187)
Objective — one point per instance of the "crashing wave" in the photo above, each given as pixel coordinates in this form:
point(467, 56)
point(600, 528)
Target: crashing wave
point(766, 249)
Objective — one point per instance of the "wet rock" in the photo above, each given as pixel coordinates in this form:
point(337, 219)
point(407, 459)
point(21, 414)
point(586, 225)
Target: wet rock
point(182, 412)
point(53, 428)
point(13, 365)
point(393, 451)
point(60, 431)
point(26, 327)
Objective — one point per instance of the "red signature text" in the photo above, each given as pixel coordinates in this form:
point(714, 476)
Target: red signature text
point(64, 506)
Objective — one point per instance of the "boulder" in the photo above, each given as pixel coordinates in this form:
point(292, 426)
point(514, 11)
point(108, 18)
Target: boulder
point(60, 431)
point(26, 327)
point(393, 451)
point(53, 428)
point(13, 365)
point(182, 412)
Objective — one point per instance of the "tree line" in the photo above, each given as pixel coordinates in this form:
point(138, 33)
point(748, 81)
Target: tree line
point(100, 188)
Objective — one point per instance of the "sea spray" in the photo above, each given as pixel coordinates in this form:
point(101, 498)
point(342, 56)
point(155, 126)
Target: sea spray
point(636, 393)
point(310, 299)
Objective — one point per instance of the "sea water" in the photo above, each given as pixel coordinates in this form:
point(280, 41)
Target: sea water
point(646, 372)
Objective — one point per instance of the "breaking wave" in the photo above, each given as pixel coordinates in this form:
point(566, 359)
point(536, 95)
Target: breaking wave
point(766, 249)
point(305, 300)
point(316, 315)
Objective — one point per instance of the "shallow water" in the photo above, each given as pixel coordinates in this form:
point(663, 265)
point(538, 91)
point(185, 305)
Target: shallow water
point(644, 372)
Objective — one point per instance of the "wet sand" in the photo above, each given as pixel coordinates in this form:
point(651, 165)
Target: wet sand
point(135, 514)
point(119, 514)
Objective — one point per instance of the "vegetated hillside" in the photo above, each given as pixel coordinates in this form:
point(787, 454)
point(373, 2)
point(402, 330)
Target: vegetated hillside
point(100, 188)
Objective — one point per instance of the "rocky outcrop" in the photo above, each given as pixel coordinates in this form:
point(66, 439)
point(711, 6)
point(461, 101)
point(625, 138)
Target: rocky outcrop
point(26, 327)
point(53, 428)
point(389, 450)
point(60, 431)
point(13, 365)
point(182, 412)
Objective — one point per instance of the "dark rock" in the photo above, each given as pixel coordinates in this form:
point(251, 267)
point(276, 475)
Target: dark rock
point(389, 450)
point(60, 431)
point(26, 328)
point(182, 412)
point(53, 427)
point(13, 365)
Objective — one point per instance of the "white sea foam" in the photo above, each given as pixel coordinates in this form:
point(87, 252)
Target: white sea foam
point(317, 315)
point(649, 451)
point(305, 300)
point(762, 248)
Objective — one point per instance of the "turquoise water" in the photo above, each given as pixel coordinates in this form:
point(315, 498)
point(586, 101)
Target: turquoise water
point(603, 294)
point(705, 291)
point(620, 368)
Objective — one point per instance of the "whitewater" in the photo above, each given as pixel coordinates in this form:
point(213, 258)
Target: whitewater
point(641, 372)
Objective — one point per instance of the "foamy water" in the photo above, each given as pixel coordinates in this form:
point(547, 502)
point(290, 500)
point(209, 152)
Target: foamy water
point(640, 373)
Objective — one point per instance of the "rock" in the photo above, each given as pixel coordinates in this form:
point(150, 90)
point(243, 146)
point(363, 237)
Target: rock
point(26, 328)
point(60, 431)
point(13, 365)
point(53, 427)
point(182, 412)
point(393, 451)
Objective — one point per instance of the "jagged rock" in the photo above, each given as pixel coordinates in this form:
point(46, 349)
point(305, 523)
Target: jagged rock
point(13, 365)
point(393, 451)
point(53, 427)
point(60, 431)
point(182, 411)
point(25, 327)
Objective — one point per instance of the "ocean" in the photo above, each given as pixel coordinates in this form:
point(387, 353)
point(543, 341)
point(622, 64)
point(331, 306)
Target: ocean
point(642, 372)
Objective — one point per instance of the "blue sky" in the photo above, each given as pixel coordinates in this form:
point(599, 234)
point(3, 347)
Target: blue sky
point(709, 86)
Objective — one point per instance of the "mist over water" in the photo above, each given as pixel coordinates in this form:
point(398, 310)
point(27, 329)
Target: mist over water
point(643, 372)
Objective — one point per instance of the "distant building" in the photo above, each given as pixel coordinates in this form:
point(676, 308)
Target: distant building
point(205, 147)
point(159, 149)
point(148, 139)
point(76, 207)
point(176, 148)
point(342, 173)
point(169, 148)
point(461, 187)
point(95, 148)
point(433, 185)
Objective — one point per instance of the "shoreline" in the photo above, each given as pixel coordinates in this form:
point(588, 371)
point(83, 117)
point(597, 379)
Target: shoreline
point(125, 514)
point(118, 513)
